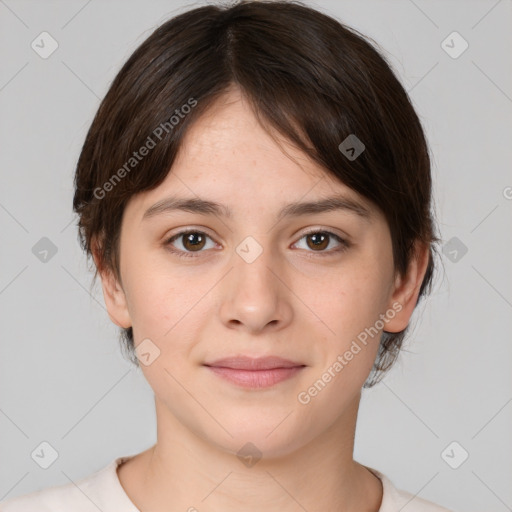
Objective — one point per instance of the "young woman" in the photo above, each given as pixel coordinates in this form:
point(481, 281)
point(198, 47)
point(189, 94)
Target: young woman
point(255, 191)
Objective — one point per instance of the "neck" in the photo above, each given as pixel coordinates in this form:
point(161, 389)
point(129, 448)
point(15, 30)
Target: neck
point(183, 471)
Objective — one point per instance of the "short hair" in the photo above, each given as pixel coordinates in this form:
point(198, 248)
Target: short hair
point(307, 75)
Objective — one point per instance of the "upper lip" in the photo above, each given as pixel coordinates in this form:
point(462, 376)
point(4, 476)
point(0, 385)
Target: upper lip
point(254, 363)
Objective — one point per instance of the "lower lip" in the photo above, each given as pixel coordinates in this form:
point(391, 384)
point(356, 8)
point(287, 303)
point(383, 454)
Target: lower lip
point(255, 378)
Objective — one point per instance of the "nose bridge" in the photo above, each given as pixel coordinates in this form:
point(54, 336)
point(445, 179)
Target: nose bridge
point(253, 261)
point(252, 295)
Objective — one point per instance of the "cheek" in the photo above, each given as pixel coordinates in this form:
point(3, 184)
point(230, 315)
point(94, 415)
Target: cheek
point(351, 304)
point(166, 307)
point(353, 300)
point(347, 354)
point(152, 304)
point(155, 296)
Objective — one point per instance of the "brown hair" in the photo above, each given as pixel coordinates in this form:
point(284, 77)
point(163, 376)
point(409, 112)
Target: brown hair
point(312, 78)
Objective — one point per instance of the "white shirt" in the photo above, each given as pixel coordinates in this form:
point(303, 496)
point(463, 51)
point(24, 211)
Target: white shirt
point(103, 491)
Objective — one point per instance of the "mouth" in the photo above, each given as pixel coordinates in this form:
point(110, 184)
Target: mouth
point(259, 372)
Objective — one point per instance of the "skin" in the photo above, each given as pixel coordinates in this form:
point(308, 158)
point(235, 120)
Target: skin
point(216, 304)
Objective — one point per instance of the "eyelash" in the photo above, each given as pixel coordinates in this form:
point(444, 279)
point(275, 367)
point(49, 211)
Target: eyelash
point(183, 254)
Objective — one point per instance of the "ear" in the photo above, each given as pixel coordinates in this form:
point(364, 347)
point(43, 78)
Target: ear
point(407, 289)
point(113, 294)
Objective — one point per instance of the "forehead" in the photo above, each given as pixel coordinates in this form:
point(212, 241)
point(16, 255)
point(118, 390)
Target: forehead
point(229, 134)
point(227, 157)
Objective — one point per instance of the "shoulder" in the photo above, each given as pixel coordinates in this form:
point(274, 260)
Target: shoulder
point(98, 491)
point(51, 499)
point(394, 499)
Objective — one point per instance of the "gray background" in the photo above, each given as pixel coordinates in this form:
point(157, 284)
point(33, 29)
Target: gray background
point(63, 379)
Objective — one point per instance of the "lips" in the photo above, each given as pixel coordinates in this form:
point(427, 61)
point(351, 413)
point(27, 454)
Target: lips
point(248, 372)
point(249, 363)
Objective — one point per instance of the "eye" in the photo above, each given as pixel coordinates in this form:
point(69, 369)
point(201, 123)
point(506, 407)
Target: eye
point(319, 240)
point(192, 241)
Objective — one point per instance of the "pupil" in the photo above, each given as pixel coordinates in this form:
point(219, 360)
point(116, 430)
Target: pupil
point(318, 239)
point(190, 239)
point(317, 236)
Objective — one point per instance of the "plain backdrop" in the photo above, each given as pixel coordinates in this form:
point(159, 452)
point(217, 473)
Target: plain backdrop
point(63, 379)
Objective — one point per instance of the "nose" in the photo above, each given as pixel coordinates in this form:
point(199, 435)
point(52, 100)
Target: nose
point(255, 296)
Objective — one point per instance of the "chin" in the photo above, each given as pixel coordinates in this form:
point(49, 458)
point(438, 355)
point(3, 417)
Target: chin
point(266, 436)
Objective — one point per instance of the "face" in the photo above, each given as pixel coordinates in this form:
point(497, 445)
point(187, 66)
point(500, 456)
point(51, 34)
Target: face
point(305, 286)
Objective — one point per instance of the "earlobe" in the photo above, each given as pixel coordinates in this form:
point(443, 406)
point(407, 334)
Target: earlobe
point(114, 296)
point(407, 289)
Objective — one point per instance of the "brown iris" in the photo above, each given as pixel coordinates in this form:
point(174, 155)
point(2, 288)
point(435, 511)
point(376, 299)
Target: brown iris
point(320, 240)
point(193, 241)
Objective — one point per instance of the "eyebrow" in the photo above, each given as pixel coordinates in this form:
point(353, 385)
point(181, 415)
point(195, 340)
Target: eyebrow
point(206, 207)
